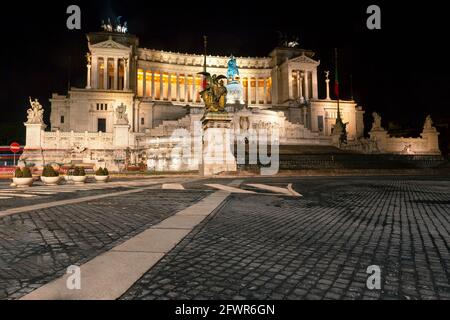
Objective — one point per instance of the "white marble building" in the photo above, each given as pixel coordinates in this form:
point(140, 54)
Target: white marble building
point(118, 71)
point(160, 92)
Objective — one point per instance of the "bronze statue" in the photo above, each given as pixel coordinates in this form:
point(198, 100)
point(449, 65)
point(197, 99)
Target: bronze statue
point(215, 93)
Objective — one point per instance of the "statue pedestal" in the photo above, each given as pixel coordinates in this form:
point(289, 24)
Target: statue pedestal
point(34, 135)
point(33, 153)
point(217, 140)
point(121, 135)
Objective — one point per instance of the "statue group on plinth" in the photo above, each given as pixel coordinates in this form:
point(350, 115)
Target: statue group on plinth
point(121, 114)
point(35, 114)
point(214, 95)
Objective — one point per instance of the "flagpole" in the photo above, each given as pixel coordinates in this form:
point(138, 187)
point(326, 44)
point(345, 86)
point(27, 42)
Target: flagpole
point(205, 44)
point(351, 86)
point(337, 83)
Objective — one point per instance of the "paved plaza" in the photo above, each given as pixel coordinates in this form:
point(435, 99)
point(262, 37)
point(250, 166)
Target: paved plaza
point(266, 238)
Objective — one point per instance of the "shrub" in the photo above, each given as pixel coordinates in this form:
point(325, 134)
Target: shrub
point(79, 172)
point(26, 172)
point(70, 170)
point(48, 171)
point(18, 173)
point(102, 172)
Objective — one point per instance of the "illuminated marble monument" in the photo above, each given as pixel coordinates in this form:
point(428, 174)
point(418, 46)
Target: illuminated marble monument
point(136, 98)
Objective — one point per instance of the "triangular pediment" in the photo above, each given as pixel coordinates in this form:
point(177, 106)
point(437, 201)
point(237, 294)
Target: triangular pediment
point(109, 44)
point(303, 59)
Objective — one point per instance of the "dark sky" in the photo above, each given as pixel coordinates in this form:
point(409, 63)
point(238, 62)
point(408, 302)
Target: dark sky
point(400, 71)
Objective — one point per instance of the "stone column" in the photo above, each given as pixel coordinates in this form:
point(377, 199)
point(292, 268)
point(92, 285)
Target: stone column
point(186, 95)
point(169, 87)
point(265, 90)
point(178, 86)
point(116, 74)
point(105, 73)
point(194, 89)
point(153, 85)
point(327, 81)
point(291, 95)
point(88, 80)
point(256, 90)
point(300, 87)
point(315, 90)
point(307, 85)
point(144, 83)
point(126, 72)
point(161, 86)
point(95, 72)
point(249, 90)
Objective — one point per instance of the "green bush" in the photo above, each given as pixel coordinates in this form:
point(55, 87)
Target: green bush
point(26, 172)
point(79, 172)
point(102, 172)
point(48, 171)
point(18, 173)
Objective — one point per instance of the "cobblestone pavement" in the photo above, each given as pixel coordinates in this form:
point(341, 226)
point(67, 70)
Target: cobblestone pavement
point(11, 197)
point(315, 247)
point(37, 246)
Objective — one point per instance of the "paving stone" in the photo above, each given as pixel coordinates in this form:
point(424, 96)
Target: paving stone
point(318, 246)
point(37, 246)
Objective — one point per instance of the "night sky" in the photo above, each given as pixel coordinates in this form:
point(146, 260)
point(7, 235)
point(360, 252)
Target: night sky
point(400, 71)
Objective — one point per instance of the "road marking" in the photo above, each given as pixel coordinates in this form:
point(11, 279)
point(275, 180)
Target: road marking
point(285, 191)
point(18, 195)
point(109, 275)
point(236, 183)
point(41, 193)
point(295, 193)
point(172, 186)
point(228, 188)
point(70, 201)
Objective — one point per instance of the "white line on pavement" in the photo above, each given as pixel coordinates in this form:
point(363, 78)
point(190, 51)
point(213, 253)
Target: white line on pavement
point(228, 188)
point(110, 275)
point(172, 186)
point(69, 201)
point(18, 195)
point(285, 191)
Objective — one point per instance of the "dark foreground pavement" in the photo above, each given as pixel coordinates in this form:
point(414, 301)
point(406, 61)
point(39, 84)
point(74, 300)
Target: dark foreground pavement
point(315, 247)
point(255, 246)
